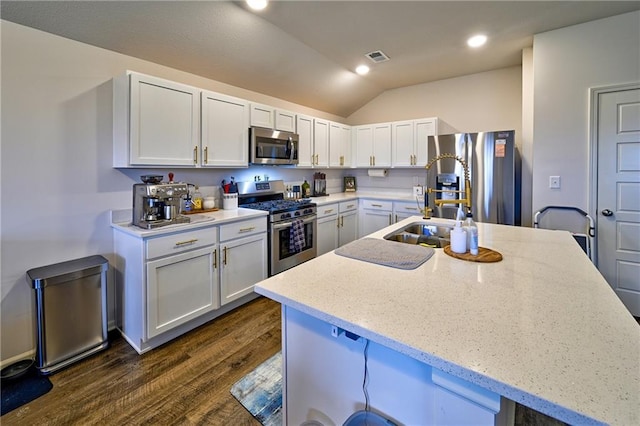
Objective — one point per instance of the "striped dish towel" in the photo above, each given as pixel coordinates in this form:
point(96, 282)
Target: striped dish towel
point(296, 236)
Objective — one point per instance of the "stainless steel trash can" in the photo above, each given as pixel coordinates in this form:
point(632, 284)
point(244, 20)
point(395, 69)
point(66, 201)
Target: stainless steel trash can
point(71, 311)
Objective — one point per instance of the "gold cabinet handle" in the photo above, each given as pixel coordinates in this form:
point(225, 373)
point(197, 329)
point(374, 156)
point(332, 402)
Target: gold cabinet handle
point(206, 154)
point(396, 219)
point(342, 221)
point(374, 160)
point(195, 155)
point(184, 243)
point(342, 160)
point(390, 217)
point(249, 229)
point(317, 159)
point(338, 223)
point(376, 205)
point(350, 206)
point(215, 259)
point(328, 211)
point(224, 255)
point(313, 160)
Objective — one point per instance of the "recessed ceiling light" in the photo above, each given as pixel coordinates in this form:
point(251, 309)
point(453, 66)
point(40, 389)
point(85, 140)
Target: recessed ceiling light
point(477, 40)
point(362, 69)
point(257, 4)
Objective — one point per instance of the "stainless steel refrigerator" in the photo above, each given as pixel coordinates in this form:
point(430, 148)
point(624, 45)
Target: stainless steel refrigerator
point(494, 171)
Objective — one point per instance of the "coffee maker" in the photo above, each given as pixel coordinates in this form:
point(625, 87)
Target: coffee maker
point(158, 204)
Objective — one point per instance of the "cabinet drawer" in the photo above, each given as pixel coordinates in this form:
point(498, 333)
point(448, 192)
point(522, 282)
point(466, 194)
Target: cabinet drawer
point(178, 243)
point(406, 208)
point(377, 205)
point(243, 228)
point(327, 210)
point(346, 206)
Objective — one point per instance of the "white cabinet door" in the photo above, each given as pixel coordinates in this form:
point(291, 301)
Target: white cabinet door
point(346, 145)
point(327, 233)
point(180, 288)
point(225, 131)
point(348, 227)
point(339, 145)
point(321, 143)
point(423, 129)
point(262, 116)
point(285, 121)
point(382, 145)
point(304, 125)
point(163, 122)
point(363, 136)
point(244, 263)
point(402, 139)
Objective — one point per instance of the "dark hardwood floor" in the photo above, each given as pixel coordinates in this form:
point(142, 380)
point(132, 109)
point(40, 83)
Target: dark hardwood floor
point(185, 382)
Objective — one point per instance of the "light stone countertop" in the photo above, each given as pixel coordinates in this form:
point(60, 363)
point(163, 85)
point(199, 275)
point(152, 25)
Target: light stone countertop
point(121, 221)
point(542, 327)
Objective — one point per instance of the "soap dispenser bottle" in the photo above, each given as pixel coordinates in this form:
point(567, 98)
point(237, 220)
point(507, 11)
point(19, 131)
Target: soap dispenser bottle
point(472, 234)
point(458, 239)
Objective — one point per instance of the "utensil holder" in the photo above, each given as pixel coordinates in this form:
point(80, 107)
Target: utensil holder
point(230, 201)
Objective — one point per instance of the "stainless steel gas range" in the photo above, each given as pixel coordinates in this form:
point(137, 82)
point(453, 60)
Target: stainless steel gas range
point(292, 223)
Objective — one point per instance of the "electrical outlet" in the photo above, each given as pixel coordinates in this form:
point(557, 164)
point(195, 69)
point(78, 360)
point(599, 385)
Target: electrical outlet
point(418, 190)
point(334, 331)
point(554, 182)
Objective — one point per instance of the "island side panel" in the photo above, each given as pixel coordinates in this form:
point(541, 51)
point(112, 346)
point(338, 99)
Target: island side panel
point(324, 376)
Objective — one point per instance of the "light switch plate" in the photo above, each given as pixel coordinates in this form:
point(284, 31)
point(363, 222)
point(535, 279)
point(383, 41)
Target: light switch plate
point(418, 190)
point(554, 182)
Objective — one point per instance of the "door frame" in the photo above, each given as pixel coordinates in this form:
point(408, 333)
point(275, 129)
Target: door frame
point(594, 97)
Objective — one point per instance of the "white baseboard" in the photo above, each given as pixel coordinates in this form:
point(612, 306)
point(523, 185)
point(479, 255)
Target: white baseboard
point(25, 355)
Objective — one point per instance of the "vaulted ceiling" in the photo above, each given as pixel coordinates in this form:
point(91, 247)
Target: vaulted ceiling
point(305, 51)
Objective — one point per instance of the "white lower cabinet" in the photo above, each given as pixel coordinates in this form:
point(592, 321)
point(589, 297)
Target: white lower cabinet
point(374, 215)
point(337, 225)
point(243, 263)
point(348, 225)
point(327, 228)
point(169, 284)
point(181, 288)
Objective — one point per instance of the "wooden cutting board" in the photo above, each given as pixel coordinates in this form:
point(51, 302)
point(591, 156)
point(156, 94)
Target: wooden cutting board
point(484, 255)
point(215, 209)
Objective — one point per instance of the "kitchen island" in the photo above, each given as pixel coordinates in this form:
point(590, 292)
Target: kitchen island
point(542, 328)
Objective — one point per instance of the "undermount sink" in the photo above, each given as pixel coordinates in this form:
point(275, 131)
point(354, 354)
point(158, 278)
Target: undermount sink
point(431, 234)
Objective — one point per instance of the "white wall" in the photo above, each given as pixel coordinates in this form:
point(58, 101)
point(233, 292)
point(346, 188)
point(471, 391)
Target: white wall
point(57, 182)
point(478, 102)
point(566, 64)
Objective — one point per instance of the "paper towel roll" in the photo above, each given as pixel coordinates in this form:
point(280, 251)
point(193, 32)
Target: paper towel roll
point(378, 172)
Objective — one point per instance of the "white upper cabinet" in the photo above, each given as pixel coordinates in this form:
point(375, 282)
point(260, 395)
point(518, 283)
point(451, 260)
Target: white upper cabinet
point(373, 145)
point(402, 135)
point(285, 120)
point(272, 118)
point(424, 128)
point(410, 141)
point(321, 143)
point(155, 122)
point(262, 116)
point(304, 126)
point(339, 145)
point(225, 131)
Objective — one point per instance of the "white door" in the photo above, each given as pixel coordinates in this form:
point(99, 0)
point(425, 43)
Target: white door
point(618, 203)
point(225, 131)
point(244, 263)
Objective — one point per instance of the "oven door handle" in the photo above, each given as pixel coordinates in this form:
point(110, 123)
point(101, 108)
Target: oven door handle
point(289, 223)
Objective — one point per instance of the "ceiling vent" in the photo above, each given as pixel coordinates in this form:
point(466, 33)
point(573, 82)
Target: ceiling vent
point(377, 56)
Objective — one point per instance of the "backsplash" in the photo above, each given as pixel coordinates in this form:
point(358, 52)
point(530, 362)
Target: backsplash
point(397, 181)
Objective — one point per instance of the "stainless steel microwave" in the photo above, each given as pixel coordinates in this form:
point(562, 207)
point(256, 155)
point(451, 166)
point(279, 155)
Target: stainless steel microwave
point(273, 147)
